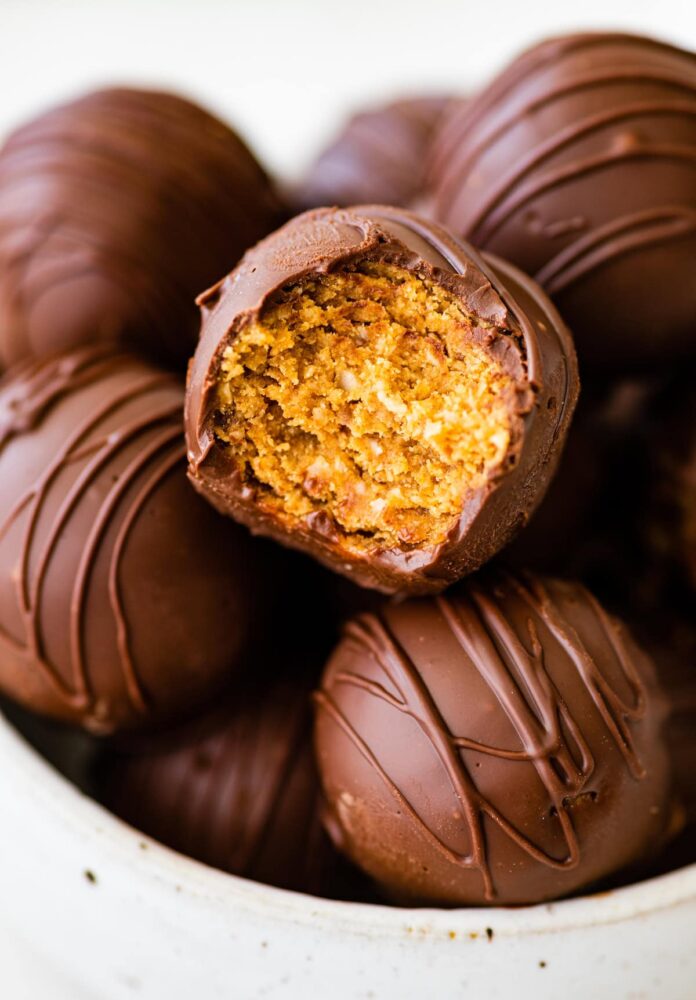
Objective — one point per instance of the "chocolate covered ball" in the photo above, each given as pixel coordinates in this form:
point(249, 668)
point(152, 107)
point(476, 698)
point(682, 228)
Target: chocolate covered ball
point(371, 391)
point(124, 599)
point(116, 210)
point(497, 744)
point(237, 789)
point(578, 164)
point(378, 157)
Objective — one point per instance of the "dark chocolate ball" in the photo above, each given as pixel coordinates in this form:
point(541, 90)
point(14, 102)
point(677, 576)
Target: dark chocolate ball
point(578, 164)
point(116, 210)
point(497, 744)
point(236, 789)
point(124, 599)
point(378, 157)
point(369, 390)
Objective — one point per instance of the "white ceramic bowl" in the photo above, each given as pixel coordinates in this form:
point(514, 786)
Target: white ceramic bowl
point(91, 909)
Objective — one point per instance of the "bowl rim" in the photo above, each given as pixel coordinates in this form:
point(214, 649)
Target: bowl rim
point(178, 874)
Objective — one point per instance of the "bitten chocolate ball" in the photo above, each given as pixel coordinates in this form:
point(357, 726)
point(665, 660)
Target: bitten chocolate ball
point(124, 599)
point(578, 164)
point(237, 790)
point(116, 210)
point(369, 390)
point(379, 156)
point(497, 744)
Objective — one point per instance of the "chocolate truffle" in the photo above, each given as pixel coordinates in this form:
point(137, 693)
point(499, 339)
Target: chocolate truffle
point(498, 744)
point(116, 210)
point(578, 164)
point(237, 790)
point(371, 391)
point(124, 598)
point(379, 156)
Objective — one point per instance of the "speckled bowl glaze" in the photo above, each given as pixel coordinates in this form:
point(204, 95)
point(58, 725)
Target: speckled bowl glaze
point(92, 909)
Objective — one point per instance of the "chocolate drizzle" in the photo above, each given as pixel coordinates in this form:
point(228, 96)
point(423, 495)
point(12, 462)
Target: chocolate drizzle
point(556, 737)
point(623, 236)
point(116, 210)
point(92, 450)
point(578, 160)
point(236, 789)
point(162, 453)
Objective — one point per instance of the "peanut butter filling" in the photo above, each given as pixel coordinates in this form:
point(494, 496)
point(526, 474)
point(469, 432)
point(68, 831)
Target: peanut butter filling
point(362, 394)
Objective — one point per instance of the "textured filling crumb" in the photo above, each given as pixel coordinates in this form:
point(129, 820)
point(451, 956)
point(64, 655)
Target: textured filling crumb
point(361, 394)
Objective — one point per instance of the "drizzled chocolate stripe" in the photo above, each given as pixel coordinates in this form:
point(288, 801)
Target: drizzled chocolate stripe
point(541, 58)
point(495, 211)
point(159, 429)
point(621, 236)
point(481, 227)
point(578, 164)
point(551, 736)
point(125, 601)
point(142, 197)
point(236, 789)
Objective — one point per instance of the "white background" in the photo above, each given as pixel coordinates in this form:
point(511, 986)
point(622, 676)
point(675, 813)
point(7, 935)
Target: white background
point(286, 71)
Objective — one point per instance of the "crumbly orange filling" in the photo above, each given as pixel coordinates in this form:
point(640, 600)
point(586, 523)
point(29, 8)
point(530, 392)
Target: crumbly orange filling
point(361, 394)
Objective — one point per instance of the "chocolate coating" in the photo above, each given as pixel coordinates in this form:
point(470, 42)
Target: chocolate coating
point(497, 744)
point(378, 157)
point(536, 348)
point(124, 599)
point(116, 210)
point(670, 522)
point(237, 790)
point(622, 504)
point(597, 492)
point(578, 164)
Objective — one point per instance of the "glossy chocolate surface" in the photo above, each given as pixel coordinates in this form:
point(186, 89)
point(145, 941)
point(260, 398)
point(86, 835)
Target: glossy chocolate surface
point(116, 210)
point(378, 157)
point(530, 341)
point(237, 789)
point(578, 164)
point(497, 744)
point(124, 599)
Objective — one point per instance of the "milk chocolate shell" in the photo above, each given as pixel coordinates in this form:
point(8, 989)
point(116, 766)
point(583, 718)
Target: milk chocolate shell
point(237, 789)
point(124, 599)
point(498, 744)
point(116, 210)
point(371, 391)
point(379, 156)
point(578, 164)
